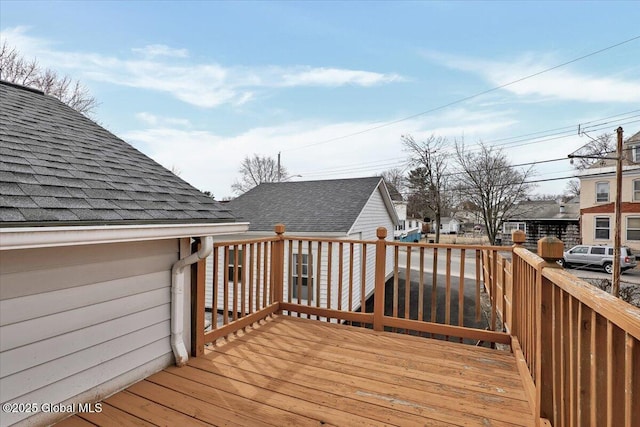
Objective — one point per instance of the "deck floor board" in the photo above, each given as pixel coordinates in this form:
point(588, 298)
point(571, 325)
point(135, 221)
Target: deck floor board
point(296, 372)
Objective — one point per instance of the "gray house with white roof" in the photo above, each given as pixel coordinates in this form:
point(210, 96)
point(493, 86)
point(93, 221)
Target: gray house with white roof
point(95, 247)
point(343, 209)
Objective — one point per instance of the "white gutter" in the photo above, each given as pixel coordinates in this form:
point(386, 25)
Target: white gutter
point(177, 299)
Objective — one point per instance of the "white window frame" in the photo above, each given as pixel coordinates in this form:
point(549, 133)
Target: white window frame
point(307, 278)
point(635, 191)
point(596, 228)
point(513, 225)
point(635, 153)
point(636, 229)
point(231, 265)
point(608, 191)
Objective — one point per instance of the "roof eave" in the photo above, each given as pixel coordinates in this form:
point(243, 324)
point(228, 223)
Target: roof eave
point(43, 237)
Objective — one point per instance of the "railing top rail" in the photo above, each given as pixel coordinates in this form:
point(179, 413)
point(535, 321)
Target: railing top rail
point(328, 239)
point(245, 241)
point(455, 246)
point(619, 312)
point(532, 259)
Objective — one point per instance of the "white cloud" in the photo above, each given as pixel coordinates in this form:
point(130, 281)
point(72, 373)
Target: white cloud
point(336, 77)
point(210, 161)
point(153, 120)
point(154, 50)
point(562, 83)
point(204, 85)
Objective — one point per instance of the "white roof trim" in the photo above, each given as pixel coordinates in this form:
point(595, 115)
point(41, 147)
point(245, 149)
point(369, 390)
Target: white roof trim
point(46, 237)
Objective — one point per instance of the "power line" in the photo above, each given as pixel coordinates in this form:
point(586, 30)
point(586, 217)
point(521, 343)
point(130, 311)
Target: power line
point(467, 98)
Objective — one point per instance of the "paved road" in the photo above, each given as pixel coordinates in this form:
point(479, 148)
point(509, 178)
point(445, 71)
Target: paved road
point(629, 276)
point(469, 264)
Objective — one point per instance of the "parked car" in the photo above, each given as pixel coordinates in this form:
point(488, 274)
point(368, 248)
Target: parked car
point(597, 256)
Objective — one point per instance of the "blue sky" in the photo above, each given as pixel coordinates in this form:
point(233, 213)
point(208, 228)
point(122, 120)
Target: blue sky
point(199, 85)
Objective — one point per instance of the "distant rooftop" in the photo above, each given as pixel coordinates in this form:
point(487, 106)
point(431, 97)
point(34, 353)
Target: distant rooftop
point(58, 167)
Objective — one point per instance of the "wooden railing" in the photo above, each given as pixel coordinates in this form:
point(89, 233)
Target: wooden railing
point(577, 348)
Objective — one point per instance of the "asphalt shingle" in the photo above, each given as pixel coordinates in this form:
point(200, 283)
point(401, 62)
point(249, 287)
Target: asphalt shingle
point(59, 167)
point(305, 206)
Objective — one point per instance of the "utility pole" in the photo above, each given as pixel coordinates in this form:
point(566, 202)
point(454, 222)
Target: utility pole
point(615, 282)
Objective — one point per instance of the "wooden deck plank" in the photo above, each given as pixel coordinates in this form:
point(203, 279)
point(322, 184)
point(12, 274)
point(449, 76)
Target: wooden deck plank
point(74, 421)
point(372, 383)
point(111, 416)
point(296, 372)
point(151, 411)
point(428, 360)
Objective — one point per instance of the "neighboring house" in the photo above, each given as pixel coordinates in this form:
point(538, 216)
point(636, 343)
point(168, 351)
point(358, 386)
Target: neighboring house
point(448, 225)
point(598, 193)
point(90, 231)
point(339, 209)
point(541, 218)
point(408, 229)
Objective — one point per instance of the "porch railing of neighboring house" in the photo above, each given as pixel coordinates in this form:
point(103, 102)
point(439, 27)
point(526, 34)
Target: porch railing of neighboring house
point(577, 347)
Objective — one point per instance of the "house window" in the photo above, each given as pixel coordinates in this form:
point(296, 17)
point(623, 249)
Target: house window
point(231, 266)
point(602, 227)
point(602, 192)
point(633, 228)
point(635, 153)
point(509, 227)
point(636, 190)
point(300, 274)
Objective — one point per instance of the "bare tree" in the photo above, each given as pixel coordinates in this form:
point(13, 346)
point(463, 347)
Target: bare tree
point(257, 169)
point(15, 69)
point(573, 188)
point(491, 183)
point(429, 181)
point(395, 180)
point(597, 150)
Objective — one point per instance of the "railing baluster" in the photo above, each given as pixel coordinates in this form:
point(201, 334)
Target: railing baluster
point(329, 284)
point(363, 280)
point(351, 256)
point(478, 265)
point(252, 248)
point(396, 279)
point(461, 290)
point(447, 309)
point(311, 280)
point(631, 369)
point(225, 286)
point(299, 272)
point(243, 280)
point(434, 288)
point(407, 286)
point(340, 273)
point(214, 290)
point(318, 276)
point(421, 286)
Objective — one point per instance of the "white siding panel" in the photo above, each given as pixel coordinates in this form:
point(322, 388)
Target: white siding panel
point(93, 377)
point(39, 376)
point(40, 352)
point(75, 318)
point(23, 308)
point(41, 328)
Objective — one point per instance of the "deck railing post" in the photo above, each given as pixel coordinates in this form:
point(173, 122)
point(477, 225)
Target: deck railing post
point(277, 266)
point(381, 261)
point(518, 237)
point(551, 250)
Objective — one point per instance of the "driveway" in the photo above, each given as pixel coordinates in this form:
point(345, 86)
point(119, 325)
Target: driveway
point(629, 276)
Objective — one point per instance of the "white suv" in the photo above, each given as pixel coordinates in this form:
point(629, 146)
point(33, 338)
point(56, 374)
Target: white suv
point(598, 256)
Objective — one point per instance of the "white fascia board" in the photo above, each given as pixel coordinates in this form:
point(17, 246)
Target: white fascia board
point(608, 170)
point(46, 237)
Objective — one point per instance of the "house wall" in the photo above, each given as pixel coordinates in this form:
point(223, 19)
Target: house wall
point(631, 207)
point(588, 188)
point(373, 215)
point(567, 231)
point(78, 318)
point(588, 230)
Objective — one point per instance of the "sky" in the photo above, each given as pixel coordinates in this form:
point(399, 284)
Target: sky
point(333, 86)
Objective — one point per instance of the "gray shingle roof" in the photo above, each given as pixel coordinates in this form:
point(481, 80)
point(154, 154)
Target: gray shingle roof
point(547, 210)
point(305, 206)
point(58, 167)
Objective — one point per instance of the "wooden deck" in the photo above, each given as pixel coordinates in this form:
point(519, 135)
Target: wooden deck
point(296, 372)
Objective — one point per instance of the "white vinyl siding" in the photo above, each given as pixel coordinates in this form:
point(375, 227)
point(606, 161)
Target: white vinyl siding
point(75, 318)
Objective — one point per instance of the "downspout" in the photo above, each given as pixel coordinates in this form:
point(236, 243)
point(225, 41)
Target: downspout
point(177, 299)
